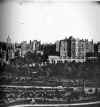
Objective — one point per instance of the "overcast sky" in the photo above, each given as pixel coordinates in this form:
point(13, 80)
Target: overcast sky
point(49, 22)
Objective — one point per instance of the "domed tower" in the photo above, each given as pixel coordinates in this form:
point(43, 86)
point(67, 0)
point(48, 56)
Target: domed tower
point(8, 40)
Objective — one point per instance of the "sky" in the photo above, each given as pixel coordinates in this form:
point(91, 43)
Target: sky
point(50, 20)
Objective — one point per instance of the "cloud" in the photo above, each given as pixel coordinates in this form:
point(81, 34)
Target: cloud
point(98, 2)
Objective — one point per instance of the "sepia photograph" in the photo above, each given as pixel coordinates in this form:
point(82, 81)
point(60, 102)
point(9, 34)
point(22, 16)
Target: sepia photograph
point(49, 53)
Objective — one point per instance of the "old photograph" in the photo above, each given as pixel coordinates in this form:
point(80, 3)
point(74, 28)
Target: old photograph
point(49, 53)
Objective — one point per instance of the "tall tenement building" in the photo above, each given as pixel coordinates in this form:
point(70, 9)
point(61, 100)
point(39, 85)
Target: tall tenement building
point(89, 46)
point(63, 48)
point(69, 47)
point(81, 49)
point(74, 48)
point(99, 47)
point(57, 46)
point(23, 48)
point(35, 45)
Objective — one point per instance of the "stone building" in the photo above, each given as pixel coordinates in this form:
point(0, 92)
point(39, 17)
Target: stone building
point(99, 47)
point(57, 46)
point(35, 45)
point(73, 48)
point(63, 49)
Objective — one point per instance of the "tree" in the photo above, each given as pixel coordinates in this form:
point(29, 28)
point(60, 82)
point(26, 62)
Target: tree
point(32, 57)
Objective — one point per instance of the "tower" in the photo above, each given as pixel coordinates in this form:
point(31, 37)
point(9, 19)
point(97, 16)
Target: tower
point(8, 40)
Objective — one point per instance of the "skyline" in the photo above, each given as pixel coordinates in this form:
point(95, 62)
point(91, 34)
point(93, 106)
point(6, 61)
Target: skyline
point(29, 21)
point(65, 38)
